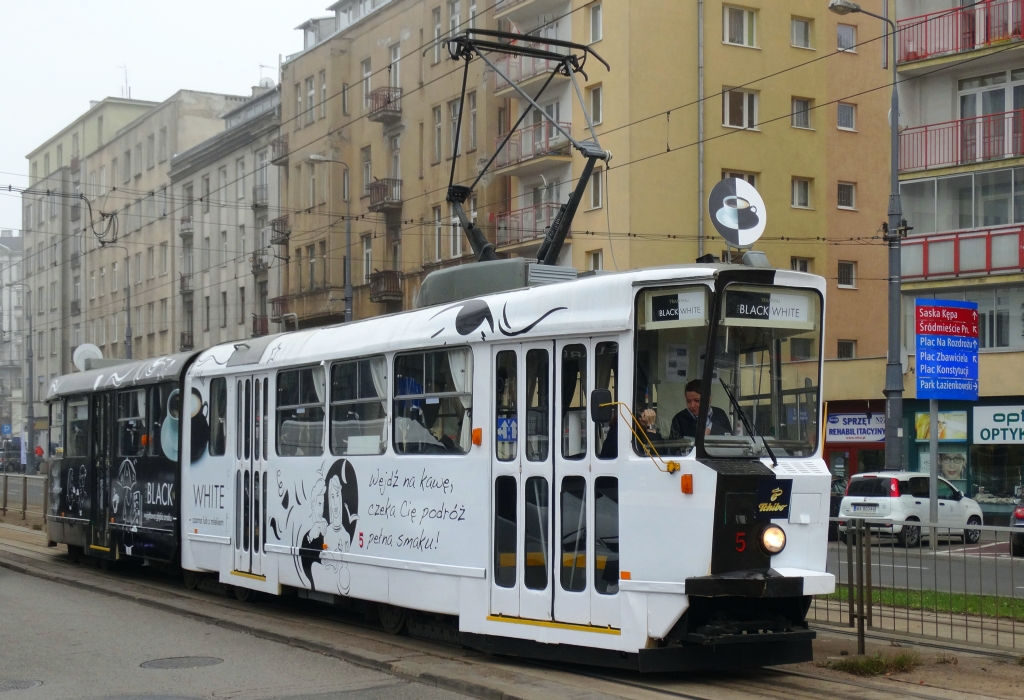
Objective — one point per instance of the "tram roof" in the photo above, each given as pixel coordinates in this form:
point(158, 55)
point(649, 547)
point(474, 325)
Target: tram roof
point(128, 374)
point(590, 305)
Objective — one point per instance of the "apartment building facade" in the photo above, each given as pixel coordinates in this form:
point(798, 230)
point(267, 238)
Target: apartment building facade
point(137, 251)
point(12, 321)
point(962, 186)
point(226, 193)
point(53, 218)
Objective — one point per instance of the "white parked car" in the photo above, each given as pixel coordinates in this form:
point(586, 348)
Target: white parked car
point(899, 499)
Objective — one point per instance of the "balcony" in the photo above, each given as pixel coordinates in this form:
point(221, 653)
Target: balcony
point(958, 30)
point(76, 164)
point(525, 224)
point(385, 195)
point(185, 284)
point(527, 148)
point(521, 69)
point(385, 285)
point(311, 307)
point(185, 229)
point(76, 307)
point(386, 105)
point(260, 196)
point(279, 150)
point(962, 141)
point(260, 262)
point(280, 231)
point(186, 342)
point(260, 326)
point(278, 308)
point(975, 253)
point(75, 212)
point(523, 11)
point(76, 259)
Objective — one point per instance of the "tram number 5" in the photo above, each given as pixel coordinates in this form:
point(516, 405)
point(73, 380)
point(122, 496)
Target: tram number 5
point(360, 540)
point(741, 542)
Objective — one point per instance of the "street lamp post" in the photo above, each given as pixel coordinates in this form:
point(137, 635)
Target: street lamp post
point(317, 158)
point(893, 365)
point(29, 440)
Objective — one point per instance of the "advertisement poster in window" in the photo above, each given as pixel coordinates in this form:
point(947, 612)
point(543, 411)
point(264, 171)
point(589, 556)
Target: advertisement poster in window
point(952, 426)
point(952, 464)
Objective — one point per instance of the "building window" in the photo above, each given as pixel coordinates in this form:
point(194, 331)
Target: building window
point(738, 26)
point(596, 104)
point(739, 175)
point(847, 276)
point(596, 188)
point(367, 258)
point(437, 135)
point(801, 349)
point(800, 33)
point(344, 99)
point(223, 309)
point(310, 100)
point(455, 240)
point(739, 109)
point(311, 168)
point(801, 113)
point(595, 260)
point(367, 78)
point(150, 151)
point(150, 263)
point(801, 193)
point(240, 178)
point(847, 195)
point(92, 287)
point(323, 94)
point(367, 170)
point(800, 264)
point(846, 37)
point(472, 14)
point(437, 233)
point(435, 15)
point(206, 316)
point(53, 296)
point(298, 106)
point(453, 120)
point(454, 16)
point(311, 258)
point(162, 144)
point(846, 349)
point(471, 98)
point(596, 28)
point(847, 116)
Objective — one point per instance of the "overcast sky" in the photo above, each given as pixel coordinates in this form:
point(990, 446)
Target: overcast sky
point(56, 56)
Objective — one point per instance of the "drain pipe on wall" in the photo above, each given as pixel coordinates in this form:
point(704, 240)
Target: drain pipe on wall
point(700, 128)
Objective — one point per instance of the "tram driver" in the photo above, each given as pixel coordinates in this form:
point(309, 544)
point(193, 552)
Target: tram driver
point(684, 424)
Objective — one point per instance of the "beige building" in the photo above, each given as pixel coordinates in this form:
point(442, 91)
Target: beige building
point(129, 175)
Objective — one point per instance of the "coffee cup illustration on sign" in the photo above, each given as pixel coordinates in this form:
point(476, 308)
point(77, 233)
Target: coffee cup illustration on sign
point(737, 212)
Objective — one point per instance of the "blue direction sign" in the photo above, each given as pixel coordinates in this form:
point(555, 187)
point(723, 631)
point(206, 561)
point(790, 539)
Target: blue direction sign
point(5, 429)
point(947, 349)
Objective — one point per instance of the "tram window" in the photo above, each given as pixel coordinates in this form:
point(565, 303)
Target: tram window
point(256, 512)
point(538, 393)
point(574, 402)
point(100, 426)
point(574, 533)
point(131, 423)
point(247, 440)
point(433, 402)
point(158, 406)
point(238, 420)
point(55, 437)
point(506, 433)
point(257, 423)
point(537, 541)
point(301, 396)
point(266, 428)
point(78, 428)
point(238, 509)
point(505, 531)
point(671, 340)
point(606, 535)
point(358, 409)
point(606, 369)
point(218, 415)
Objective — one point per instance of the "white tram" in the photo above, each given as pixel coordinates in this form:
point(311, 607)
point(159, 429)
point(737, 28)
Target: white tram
point(528, 463)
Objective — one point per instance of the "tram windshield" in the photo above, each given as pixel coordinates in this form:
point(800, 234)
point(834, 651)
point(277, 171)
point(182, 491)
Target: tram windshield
point(765, 376)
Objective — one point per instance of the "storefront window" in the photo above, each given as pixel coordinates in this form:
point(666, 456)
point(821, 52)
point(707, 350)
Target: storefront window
point(996, 473)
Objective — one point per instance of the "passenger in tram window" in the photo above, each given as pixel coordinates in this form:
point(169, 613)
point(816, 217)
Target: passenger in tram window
point(684, 424)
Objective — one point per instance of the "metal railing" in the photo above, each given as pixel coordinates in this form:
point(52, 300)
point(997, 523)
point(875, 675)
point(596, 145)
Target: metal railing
point(968, 587)
point(23, 494)
point(385, 104)
point(385, 193)
point(186, 226)
point(278, 307)
point(280, 231)
point(959, 29)
point(963, 253)
point(530, 142)
point(525, 224)
point(260, 326)
point(520, 68)
point(185, 283)
point(260, 261)
point(260, 195)
point(962, 141)
point(385, 285)
point(279, 150)
point(186, 342)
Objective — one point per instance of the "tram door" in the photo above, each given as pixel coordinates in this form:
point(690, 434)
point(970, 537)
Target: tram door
point(521, 481)
point(251, 441)
point(101, 461)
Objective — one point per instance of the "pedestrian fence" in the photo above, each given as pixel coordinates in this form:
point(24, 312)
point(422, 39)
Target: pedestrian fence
point(24, 495)
point(941, 583)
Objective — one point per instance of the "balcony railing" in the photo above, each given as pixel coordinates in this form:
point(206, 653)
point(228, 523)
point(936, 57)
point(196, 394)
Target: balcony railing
point(280, 231)
point(959, 29)
point(385, 105)
point(76, 258)
point(278, 308)
point(502, 5)
point(76, 211)
point(186, 342)
point(260, 262)
point(76, 164)
point(260, 326)
point(185, 230)
point(76, 307)
point(520, 68)
point(385, 194)
point(185, 283)
point(279, 150)
point(525, 224)
point(385, 285)
point(260, 195)
point(964, 253)
point(531, 142)
point(962, 141)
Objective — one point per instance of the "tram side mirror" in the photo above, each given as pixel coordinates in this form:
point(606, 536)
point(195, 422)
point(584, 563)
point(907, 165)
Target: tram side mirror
point(601, 410)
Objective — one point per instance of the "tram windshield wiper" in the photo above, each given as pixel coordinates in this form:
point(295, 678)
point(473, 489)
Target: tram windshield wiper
point(747, 424)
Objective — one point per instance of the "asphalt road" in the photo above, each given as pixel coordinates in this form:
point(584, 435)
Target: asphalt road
point(82, 645)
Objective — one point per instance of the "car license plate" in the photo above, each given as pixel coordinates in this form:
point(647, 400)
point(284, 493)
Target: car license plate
point(865, 509)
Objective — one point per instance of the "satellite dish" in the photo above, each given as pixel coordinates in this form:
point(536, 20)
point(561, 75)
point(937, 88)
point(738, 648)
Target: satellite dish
point(737, 212)
point(85, 351)
point(266, 82)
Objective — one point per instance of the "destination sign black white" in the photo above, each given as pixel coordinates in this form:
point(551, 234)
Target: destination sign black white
point(746, 307)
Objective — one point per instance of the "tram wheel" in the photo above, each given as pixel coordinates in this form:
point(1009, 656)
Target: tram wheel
point(244, 595)
point(106, 564)
point(75, 554)
point(392, 618)
point(191, 579)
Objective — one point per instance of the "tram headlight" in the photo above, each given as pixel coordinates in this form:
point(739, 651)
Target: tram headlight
point(773, 539)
